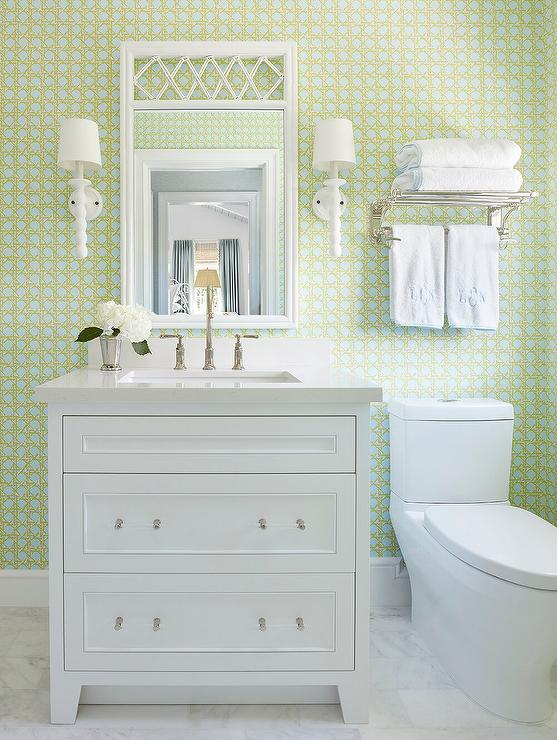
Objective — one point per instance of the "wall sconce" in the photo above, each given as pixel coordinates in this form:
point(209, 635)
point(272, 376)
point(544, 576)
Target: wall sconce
point(333, 150)
point(79, 150)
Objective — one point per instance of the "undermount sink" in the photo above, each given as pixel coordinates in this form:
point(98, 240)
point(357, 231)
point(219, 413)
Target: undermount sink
point(207, 378)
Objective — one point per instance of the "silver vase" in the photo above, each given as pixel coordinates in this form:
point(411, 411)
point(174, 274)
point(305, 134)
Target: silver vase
point(110, 350)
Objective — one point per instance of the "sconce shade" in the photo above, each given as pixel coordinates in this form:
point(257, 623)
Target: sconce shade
point(207, 278)
point(79, 142)
point(333, 142)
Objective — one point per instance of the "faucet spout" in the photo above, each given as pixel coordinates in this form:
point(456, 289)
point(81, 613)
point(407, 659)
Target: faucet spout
point(209, 352)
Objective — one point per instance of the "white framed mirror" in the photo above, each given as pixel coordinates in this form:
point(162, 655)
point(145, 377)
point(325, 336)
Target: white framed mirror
point(209, 141)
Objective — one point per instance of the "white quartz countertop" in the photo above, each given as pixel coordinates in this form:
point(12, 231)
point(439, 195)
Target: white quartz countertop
point(311, 385)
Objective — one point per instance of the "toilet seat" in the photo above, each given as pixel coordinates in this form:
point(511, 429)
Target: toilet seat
point(505, 541)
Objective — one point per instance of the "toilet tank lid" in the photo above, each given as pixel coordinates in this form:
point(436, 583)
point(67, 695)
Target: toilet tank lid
point(450, 409)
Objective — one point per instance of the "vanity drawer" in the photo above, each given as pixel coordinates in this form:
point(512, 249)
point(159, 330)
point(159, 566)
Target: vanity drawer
point(208, 523)
point(197, 444)
point(209, 622)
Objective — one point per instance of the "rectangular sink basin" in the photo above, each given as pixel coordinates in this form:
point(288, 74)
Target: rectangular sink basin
point(206, 378)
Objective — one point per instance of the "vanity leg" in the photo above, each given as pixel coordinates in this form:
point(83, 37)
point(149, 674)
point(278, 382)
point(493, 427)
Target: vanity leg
point(354, 701)
point(64, 702)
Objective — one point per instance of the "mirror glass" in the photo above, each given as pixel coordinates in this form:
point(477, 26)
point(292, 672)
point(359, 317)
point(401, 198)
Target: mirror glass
point(209, 192)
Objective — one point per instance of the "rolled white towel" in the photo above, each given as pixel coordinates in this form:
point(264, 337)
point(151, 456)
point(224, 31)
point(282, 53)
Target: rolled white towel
point(491, 153)
point(458, 178)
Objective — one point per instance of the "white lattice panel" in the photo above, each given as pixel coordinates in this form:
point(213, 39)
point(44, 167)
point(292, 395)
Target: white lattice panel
point(209, 78)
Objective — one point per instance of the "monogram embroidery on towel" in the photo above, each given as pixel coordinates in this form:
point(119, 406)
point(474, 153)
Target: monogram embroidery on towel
point(421, 295)
point(472, 296)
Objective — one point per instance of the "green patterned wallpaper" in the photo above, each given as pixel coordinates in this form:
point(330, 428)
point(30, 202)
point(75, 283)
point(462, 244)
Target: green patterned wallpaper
point(400, 69)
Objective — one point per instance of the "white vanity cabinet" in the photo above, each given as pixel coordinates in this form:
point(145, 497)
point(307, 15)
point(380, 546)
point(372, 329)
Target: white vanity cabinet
point(208, 545)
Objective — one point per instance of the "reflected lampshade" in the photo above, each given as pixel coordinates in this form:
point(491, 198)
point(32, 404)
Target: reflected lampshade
point(333, 142)
point(207, 278)
point(79, 142)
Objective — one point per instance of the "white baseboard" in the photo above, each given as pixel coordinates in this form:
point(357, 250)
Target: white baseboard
point(389, 586)
point(23, 587)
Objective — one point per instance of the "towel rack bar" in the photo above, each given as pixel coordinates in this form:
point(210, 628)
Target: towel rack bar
point(499, 205)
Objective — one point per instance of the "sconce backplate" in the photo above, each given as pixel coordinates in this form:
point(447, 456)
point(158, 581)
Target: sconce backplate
point(321, 203)
point(93, 203)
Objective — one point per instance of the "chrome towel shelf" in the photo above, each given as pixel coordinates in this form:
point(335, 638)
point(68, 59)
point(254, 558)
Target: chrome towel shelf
point(499, 206)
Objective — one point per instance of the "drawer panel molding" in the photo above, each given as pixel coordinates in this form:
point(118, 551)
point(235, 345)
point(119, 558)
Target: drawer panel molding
point(208, 523)
point(194, 444)
point(135, 622)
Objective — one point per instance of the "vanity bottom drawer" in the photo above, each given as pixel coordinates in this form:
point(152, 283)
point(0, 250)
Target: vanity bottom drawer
point(209, 622)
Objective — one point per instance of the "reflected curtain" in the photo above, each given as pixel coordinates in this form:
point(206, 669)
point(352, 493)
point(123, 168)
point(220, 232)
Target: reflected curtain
point(229, 268)
point(183, 269)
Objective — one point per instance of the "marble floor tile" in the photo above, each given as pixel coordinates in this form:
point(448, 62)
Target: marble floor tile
point(24, 673)
point(390, 619)
point(8, 634)
point(24, 617)
point(387, 711)
point(519, 732)
point(447, 708)
point(339, 733)
point(397, 644)
point(262, 716)
point(409, 673)
point(29, 643)
point(391, 733)
point(69, 733)
point(136, 716)
point(320, 714)
point(24, 706)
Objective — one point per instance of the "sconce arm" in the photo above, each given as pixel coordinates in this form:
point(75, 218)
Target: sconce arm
point(329, 204)
point(85, 205)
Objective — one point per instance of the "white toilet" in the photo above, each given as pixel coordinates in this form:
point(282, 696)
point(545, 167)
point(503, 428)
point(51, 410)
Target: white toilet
point(483, 573)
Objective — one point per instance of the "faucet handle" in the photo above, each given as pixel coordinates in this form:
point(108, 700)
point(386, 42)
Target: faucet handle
point(180, 351)
point(238, 350)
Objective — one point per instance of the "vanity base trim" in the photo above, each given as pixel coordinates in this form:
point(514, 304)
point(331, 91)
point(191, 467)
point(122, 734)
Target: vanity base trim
point(351, 688)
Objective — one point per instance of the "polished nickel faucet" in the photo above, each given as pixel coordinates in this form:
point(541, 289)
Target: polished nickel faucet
point(238, 350)
point(208, 279)
point(180, 350)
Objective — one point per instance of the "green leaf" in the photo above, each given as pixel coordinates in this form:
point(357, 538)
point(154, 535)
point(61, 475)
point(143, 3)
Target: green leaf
point(91, 332)
point(115, 332)
point(142, 348)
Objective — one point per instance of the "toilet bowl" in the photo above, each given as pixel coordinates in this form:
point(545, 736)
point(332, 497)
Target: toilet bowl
point(483, 573)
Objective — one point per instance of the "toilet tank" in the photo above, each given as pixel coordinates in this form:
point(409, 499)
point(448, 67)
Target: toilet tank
point(451, 451)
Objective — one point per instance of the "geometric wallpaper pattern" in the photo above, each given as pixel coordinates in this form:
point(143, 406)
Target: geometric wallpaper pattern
point(400, 69)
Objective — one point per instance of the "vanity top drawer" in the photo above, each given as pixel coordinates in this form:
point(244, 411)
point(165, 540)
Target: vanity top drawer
point(208, 523)
point(201, 444)
point(209, 622)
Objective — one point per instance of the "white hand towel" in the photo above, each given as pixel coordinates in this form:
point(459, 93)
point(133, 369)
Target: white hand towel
point(458, 178)
point(416, 264)
point(493, 153)
point(472, 281)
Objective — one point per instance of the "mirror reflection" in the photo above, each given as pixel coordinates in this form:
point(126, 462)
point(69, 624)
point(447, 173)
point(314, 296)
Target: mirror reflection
point(210, 195)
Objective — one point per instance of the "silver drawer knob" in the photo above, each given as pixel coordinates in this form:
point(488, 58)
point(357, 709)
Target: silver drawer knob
point(262, 624)
point(156, 624)
point(157, 524)
point(300, 624)
point(300, 524)
point(119, 523)
point(262, 524)
point(118, 623)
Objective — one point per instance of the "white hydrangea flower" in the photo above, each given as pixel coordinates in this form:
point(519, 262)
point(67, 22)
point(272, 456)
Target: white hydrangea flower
point(137, 324)
point(134, 322)
point(110, 315)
